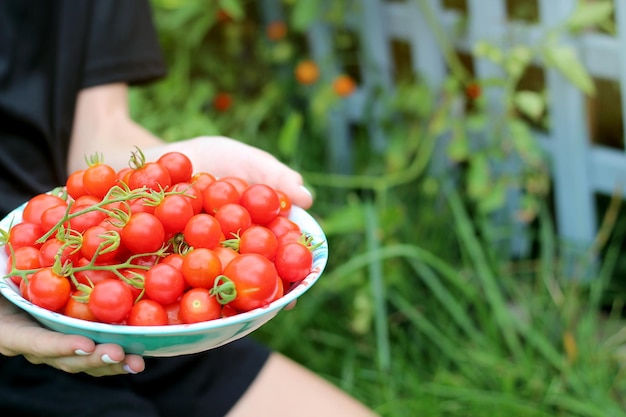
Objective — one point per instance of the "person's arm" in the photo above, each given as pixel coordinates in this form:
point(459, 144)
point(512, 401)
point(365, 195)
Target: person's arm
point(103, 124)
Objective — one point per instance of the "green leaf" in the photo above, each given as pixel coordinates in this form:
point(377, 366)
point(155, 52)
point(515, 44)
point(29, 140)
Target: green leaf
point(233, 8)
point(458, 149)
point(588, 14)
point(517, 61)
point(289, 134)
point(484, 49)
point(565, 60)
point(304, 13)
point(478, 177)
point(494, 199)
point(530, 103)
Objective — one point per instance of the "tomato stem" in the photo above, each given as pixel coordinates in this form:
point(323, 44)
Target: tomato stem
point(224, 289)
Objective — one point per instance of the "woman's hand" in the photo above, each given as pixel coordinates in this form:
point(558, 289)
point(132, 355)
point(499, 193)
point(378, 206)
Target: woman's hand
point(21, 335)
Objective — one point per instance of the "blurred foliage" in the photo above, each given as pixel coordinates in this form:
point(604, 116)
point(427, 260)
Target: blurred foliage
point(418, 312)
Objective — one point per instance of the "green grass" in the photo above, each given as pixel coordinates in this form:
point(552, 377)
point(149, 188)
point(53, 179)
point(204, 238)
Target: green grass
point(420, 311)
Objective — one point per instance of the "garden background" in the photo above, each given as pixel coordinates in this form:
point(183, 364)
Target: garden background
point(449, 289)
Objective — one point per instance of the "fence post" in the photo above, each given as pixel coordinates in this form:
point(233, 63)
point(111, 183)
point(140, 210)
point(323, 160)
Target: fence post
point(570, 148)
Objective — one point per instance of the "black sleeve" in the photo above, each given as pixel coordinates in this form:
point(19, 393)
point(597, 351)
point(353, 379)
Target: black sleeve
point(122, 44)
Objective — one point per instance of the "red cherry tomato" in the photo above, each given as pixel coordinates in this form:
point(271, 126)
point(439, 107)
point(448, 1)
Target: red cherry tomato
point(23, 234)
point(174, 212)
point(98, 180)
point(258, 239)
point(164, 283)
point(23, 258)
point(99, 243)
point(293, 261)
point(111, 301)
point(233, 218)
point(255, 280)
point(143, 233)
point(262, 202)
point(202, 231)
point(151, 175)
point(192, 193)
point(217, 194)
point(147, 313)
point(78, 309)
point(48, 289)
point(178, 165)
point(74, 184)
point(200, 267)
point(37, 205)
point(198, 305)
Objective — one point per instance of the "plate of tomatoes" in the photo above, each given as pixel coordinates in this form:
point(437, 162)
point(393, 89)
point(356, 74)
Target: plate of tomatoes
point(159, 259)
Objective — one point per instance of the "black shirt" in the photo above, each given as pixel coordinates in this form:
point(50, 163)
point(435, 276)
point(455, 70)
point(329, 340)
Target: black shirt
point(49, 51)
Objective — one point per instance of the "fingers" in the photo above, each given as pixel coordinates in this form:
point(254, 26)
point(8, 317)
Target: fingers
point(224, 156)
point(20, 335)
point(104, 360)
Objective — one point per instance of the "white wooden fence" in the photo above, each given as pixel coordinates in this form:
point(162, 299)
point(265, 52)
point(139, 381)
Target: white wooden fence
point(580, 168)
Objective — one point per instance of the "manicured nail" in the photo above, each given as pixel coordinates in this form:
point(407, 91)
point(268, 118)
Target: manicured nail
point(81, 352)
point(107, 359)
point(128, 369)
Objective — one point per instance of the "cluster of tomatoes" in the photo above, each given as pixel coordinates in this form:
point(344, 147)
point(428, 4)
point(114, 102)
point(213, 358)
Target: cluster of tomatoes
point(156, 244)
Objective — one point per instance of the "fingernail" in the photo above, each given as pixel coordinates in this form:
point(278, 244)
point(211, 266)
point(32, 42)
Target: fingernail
point(107, 359)
point(128, 369)
point(81, 352)
point(306, 190)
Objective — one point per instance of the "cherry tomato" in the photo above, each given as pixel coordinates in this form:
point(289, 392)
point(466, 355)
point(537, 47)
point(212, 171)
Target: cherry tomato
point(111, 301)
point(23, 234)
point(174, 212)
point(92, 276)
point(87, 218)
point(225, 254)
point(52, 216)
point(98, 179)
point(290, 236)
point(178, 165)
point(164, 283)
point(143, 233)
point(293, 261)
point(35, 207)
point(78, 309)
point(255, 280)
point(262, 202)
point(258, 239)
point(54, 247)
point(97, 242)
point(285, 204)
point(200, 267)
point(192, 193)
point(175, 260)
point(239, 183)
point(202, 231)
point(280, 225)
point(173, 313)
point(151, 175)
point(74, 184)
point(147, 313)
point(201, 180)
point(233, 219)
point(23, 258)
point(217, 194)
point(198, 305)
point(123, 174)
point(48, 289)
